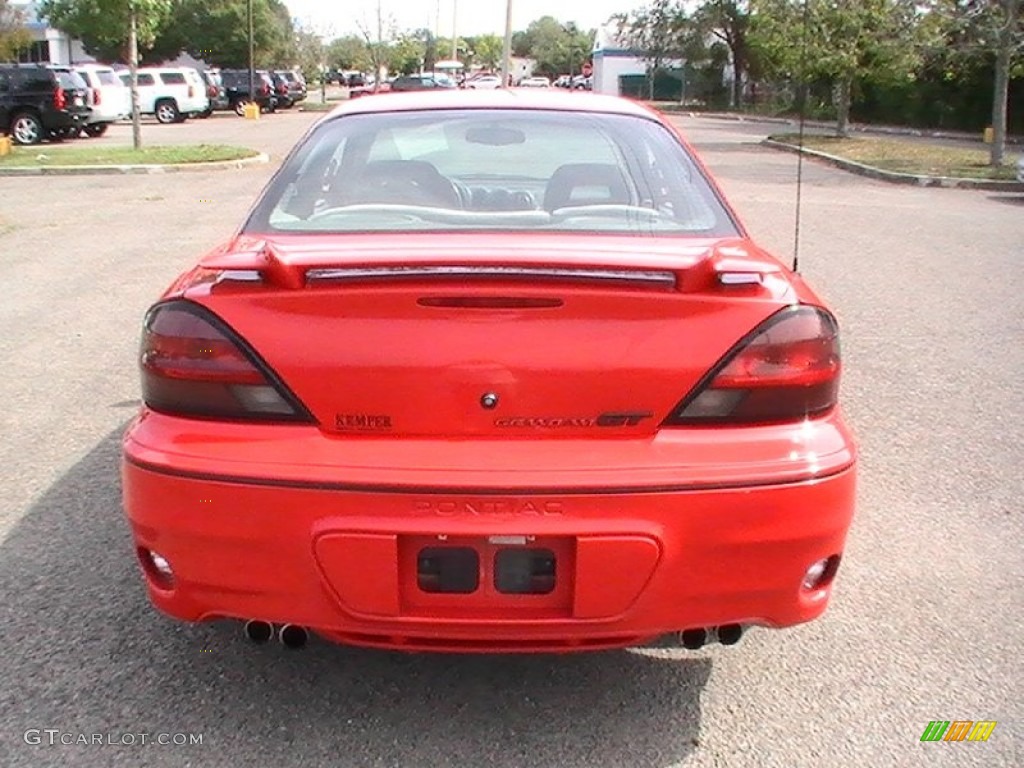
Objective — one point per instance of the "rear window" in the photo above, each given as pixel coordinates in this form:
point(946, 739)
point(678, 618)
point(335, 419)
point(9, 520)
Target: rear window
point(107, 77)
point(172, 78)
point(71, 80)
point(144, 78)
point(492, 170)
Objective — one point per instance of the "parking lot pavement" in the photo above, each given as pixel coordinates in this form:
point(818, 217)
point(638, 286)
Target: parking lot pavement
point(924, 624)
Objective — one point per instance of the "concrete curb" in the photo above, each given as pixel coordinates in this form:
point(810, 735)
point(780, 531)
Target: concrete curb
point(885, 130)
point(894, 177)
point(108, 170)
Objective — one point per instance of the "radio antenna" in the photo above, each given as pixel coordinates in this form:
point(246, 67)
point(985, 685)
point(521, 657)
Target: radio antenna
point(802, 107)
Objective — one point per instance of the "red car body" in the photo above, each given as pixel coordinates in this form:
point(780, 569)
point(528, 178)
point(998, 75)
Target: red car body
point(486, 446)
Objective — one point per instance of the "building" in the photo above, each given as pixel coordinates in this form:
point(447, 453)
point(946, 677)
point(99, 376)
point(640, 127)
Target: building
point(612, 60)
point(48, 44)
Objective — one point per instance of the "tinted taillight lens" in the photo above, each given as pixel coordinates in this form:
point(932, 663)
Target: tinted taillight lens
point(786, 370)
point(211, 91)
point(194, 365)
point(96, 97)
point(60, 100)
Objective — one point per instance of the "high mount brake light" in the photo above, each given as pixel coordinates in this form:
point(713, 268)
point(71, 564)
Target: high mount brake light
point(786, 370)
point(193, 365)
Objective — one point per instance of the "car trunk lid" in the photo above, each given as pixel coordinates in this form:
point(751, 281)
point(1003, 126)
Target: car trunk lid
point(485, 336)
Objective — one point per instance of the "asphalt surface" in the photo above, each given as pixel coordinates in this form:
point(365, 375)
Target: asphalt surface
point(925, 623)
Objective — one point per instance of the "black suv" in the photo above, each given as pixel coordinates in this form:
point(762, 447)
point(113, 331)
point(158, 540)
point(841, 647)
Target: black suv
point(39, 101)
point(236, 88)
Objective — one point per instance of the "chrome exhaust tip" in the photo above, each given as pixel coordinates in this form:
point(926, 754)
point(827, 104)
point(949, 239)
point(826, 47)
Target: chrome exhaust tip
point(293, 636)
point(259, 631)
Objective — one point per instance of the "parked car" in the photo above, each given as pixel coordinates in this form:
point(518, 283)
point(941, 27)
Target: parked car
point(484, 82)
point(422, 82)
point(108, 98)
point(368, 90)
point(583, 83)
point(297, 90)
point(39, 101)
point(214, 91)
point(236, 87)
point(282, 90)
point(535, 82)
point(171, 94)
point(540, 403)
point(563, 81)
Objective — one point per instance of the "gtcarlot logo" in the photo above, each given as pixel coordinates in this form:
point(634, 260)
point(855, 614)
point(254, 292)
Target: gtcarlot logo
point(51, 737)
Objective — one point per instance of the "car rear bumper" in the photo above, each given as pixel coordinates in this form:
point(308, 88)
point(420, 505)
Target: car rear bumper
point(66, 118)
point(347, 559)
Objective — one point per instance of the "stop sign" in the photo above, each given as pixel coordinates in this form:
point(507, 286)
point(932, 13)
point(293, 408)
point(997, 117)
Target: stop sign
point(587, 70)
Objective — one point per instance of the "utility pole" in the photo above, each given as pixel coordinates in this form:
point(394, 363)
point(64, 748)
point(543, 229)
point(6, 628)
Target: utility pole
point(506, 51)
point(455, 36)
point(252, 59)
point(133, 68)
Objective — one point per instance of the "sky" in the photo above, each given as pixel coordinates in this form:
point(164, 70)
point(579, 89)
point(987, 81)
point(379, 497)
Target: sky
point(333, 18)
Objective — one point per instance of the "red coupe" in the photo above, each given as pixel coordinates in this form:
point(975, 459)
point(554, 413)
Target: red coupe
point(490, 371)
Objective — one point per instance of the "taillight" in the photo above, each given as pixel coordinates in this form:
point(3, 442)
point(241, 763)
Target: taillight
point(283, 90)
point(60, 99)
point(265, 90)
point(191, 92)
point(194, 365)
point(96, 97)
point(786, 370)
point(211, 91)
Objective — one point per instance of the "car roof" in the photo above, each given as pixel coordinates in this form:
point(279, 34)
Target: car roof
point(500, 98)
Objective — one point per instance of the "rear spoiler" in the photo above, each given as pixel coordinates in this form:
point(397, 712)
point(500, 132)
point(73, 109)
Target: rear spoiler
point(728, 265)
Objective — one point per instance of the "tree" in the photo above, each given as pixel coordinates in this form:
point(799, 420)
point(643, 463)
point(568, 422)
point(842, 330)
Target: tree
point(310, 53)
point(729, 21)
point(551, 44)
point(405, 55)
point(103, 26)
point(13, 35)
point(217, 31)
point(838, 41)
point(657, 32)
point(117, 26)
point(375, 34)
point(349, 52)
point(994, 29)
point(488, 49)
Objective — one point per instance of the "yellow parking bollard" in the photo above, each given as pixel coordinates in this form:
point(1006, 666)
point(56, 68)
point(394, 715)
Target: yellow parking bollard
point(5, 145)
point(989, 135)
point(252, 111)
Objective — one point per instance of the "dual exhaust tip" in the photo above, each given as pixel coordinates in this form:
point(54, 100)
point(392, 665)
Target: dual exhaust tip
point(727, 634)
point(289, 635)
point(294, 636)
